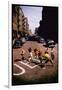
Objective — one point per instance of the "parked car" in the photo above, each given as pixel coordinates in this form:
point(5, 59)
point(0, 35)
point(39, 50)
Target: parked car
point(27, 38)
point(23, 39)
point(31, 38)
point(36, 38)
point(41, 40)
point(50, 43)
point(17, 43)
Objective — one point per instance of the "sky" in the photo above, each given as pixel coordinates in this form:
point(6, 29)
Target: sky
point(34, 15)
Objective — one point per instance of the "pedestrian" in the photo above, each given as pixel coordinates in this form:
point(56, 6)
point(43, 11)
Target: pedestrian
point(35, 57)
point(40, 55)
point(36, 53)
point(40, 58)
point(46, 57)
point(22, 54)
point(30, 54)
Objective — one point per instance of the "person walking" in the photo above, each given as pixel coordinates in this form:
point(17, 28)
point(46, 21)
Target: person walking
point(22, 54)
point(30, 54)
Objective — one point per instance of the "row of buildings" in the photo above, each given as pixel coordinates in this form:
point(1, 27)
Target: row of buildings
point(20, 26)
point(48, 26)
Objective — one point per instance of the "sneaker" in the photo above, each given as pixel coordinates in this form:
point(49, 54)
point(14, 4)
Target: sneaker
point(44, 68)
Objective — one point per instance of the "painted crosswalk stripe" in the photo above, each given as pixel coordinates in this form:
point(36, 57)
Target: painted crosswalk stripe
point(26, 64)
point(23, 70)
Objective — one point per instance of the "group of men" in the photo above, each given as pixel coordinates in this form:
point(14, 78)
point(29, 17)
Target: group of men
point(37, 57)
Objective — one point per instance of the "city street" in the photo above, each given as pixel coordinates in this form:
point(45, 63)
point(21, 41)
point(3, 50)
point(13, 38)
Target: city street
point(31, 73)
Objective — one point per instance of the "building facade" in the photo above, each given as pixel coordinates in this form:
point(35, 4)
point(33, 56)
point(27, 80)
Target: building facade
point(20, 25)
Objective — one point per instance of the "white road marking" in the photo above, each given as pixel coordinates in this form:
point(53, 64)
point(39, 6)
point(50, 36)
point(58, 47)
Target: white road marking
point(23, 70)
point(26, 64)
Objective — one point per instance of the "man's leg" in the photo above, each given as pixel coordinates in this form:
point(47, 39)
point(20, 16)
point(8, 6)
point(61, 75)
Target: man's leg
point(36, 60)
point(51, 61)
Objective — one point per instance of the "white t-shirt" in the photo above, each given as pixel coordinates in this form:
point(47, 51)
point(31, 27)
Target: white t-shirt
point(31, 54)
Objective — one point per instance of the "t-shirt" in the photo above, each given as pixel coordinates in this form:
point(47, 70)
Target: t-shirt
point(46, 56)
point(31, 54)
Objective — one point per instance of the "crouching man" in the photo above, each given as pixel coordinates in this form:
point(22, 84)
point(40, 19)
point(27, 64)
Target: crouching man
point(46, 58)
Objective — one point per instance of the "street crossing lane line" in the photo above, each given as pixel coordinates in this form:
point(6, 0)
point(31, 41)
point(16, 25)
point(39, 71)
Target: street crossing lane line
point(23, 70)
point(26, 64)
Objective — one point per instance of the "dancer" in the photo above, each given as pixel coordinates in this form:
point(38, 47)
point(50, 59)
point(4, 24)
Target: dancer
point(31, 54)
point(22, 54)
point(46, 57)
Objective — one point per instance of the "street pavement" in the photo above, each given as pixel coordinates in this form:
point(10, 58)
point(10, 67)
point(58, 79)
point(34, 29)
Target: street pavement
point(31, 73)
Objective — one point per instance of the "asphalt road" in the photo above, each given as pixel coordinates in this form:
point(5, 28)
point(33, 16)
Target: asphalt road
point(31, 73)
